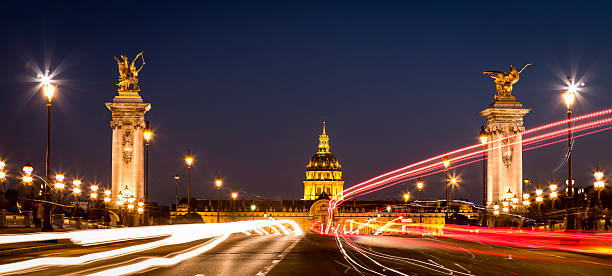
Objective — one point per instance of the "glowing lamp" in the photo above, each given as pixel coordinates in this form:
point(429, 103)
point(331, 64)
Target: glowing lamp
point(553, 186)
point(526, 202)
point(420, 184)
point(496, 212)
point(453, 180)
point(539, 199)
point(599, 185)
point(483, 136)
point(76, 182)
point(27, 169)
point(253, 207)
point(406, 196)
point(93, 195)
point(2, 175)
point(147, 132)
point(505, 209)
point(130, 206)
point(107, 199)
point(59, 177)
point(539, 192)
point(59, 185)
point(94, 188)
point(49, 91)
point(218, 181)
point(140, 210)
point(188, 158)
point(505, 203)
point(553, 195)
point(107, 192)
point(495, 207)
point(525, 196)
point(446, 161)
point(2, 164)
point(27, 179)
point(598, 174)
point(388, 208)
point(119, 203)
point(76, 190)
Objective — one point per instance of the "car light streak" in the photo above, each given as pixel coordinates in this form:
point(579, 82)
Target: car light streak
point(156, 262)
point(431, 165)
point(176, 234)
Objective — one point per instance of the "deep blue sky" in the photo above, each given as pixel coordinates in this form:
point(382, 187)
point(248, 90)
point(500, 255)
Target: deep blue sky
point(246, 85)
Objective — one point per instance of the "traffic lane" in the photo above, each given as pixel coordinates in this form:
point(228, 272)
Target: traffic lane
point(238, 255)
point(471, 257)
point(73, 251)
point(108, 263)
point(314, 255)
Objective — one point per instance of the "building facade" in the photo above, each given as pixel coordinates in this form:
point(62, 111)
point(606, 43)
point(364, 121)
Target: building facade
point(323, 172)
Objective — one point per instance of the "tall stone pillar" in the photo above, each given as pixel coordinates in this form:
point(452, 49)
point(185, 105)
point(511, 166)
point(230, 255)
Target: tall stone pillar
point(505, 153)
point(127, 123)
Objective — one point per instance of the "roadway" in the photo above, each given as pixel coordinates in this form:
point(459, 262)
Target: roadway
point(241, 254)
point(386, 255)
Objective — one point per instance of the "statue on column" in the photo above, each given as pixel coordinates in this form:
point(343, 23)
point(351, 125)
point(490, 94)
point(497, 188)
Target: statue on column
point(504, 82)
point(128, 74)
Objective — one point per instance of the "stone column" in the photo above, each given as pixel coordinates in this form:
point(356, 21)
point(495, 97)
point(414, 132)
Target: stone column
point(505, 152)
point(127, 123)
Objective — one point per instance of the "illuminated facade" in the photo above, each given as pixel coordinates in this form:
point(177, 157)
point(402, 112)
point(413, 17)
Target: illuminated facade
point(505, 151)
point(323, 172)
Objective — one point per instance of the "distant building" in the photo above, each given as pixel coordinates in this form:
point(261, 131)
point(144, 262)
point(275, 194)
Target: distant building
point(323, 181)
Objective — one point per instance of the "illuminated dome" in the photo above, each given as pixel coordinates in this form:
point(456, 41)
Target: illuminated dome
point(323, 172)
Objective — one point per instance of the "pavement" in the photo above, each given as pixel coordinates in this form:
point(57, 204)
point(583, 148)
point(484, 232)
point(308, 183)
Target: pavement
point(312, 254)
point(385, 255)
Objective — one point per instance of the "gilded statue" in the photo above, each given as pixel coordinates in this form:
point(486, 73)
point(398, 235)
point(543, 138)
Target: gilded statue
point(504, 81)
point(128, 74)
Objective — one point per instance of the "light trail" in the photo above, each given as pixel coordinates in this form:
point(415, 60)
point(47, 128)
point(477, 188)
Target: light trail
point(426, 167)
point(175, 234)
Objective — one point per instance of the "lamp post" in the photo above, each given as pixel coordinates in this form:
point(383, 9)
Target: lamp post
point(389, 213)
point(446, 163)
point(59, 187)
point(453, 182)
point(553, 193)
point(569, 97)
point(218, 183)
point(483, 140)
point(599, 184)
point(176, 179)
point(253, 210)
point(27, 179)
point(49, 91)
point(147, 133)
point(188, 160)
point(76, 191)
point(420, 185)
point(94, 196)
point(2, 177)
point(234, 196)
point(539, 198)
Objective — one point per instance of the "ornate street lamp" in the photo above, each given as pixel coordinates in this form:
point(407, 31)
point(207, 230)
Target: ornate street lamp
point(599, 184)
point(27, 178)
point(147, 133)
point(446, 163)
point(406, 197)
point(176, 179)
point(483, 140)
point(59, 187)
point(234, 196)
point(48, 90)
point(253, 207)
point(188, 160)
point(420, 185)
point(218, 183)
point(569, 96)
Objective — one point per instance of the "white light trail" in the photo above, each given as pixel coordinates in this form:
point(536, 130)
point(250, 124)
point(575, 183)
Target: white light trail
point(176, 234)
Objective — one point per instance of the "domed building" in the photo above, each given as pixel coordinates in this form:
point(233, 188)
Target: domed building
point(323, 172)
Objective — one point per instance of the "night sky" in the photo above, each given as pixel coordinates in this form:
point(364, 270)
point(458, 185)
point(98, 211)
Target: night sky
point(246, 86)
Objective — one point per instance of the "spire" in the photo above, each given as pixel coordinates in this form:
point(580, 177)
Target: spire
point(323, 141)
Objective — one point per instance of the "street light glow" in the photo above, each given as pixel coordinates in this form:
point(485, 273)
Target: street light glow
point(76, 182)
point(598, 174)
point(234, 195)
point(147, 132)
point(188, 158)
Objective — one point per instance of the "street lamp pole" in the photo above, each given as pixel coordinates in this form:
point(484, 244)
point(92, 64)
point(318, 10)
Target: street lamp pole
point(176, 179)
point(446, 163)
point(48, 90)
point(253, 210)
point(147, 133)
point(483, 140)
point(188, 160)
point(569, 96)
point(218, 183)
point(234, 196)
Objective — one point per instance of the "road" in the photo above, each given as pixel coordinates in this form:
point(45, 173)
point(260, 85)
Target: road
point(240, 254)
point(384, 255)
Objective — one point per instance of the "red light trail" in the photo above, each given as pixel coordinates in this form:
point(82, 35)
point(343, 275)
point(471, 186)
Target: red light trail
point(473, 153)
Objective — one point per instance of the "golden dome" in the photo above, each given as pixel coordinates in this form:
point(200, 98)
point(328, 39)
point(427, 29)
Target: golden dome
point(323, 160)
